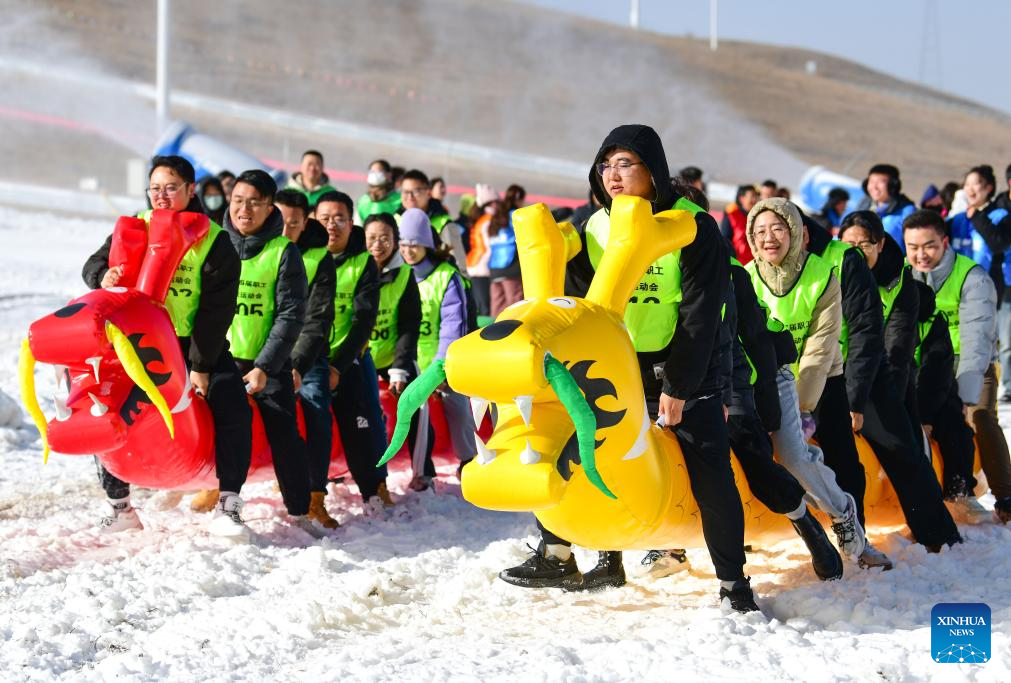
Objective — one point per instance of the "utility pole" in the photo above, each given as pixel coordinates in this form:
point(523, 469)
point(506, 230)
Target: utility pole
point(633, 13)
point(930, 47)
point(714, 41)
point(162, 66)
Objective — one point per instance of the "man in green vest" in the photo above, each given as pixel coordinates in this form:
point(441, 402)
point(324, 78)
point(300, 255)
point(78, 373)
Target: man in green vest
point(416, 193)
point(310, 179)
point(268, 318)
point(966, 295)
point(200, 303)
point(310, 369)
point(380, 197)
point(353, 381)
point(674, 320)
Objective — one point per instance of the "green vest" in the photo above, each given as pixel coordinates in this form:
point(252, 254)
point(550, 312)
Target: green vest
point(254, 308)
point(795, 308)
point(311, 258)
point(834, 254)
point(771, 324)
point(348, 274)
point(183, 298)
point(949, 296)
point(888, 296)
point(439, 222)
point(652, 311)
point(384, 335)
point(432, 290)
point(367, 207)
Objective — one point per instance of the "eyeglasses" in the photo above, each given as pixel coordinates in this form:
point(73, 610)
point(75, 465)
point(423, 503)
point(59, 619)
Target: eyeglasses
point(622, 167)
point(380, 239)
point(414, 193)
point(332, 220)
point(865, 245)
point(167, 190)
point(777, 231)
point(249, 203)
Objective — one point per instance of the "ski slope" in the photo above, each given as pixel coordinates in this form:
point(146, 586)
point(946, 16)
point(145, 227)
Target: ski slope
point(411, 596)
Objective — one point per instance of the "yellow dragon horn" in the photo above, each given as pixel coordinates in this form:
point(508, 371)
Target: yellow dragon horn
point(26, 374)
point(637, 238)
point(136, 371)
point(544, 248)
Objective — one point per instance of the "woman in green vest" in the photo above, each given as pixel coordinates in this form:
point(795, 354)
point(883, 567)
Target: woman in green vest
point(394, 340)
point(443, 319)
point(381, 197)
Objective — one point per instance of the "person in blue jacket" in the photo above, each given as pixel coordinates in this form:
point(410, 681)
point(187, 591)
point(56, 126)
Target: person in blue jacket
point(884, 196)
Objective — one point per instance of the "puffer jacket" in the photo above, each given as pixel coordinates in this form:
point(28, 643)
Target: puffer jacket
point(900, 328)
point(977, 322)
point(821, 356)
point(935, 374)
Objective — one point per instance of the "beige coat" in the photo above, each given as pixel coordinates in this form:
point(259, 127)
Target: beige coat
point(822, 354)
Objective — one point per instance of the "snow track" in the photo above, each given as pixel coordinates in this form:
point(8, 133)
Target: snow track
point(411, 595)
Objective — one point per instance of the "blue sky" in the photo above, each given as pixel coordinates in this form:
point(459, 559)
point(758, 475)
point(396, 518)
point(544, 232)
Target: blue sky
point(887, 35)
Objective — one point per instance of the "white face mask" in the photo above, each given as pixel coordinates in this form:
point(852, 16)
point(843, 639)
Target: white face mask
point(376, 178)
point(214, 202)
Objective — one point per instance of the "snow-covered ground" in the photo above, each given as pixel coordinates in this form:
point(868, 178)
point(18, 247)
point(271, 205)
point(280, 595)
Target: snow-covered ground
point(412, 596)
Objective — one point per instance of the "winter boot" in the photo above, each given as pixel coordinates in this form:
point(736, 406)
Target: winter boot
point(227, 521)
point(967, 509)
point(309, 525)
point(384, 494)
point(121, 517)
point(205, 501)
point(1002, 510)
point(848, 532)
point(824, 557)
point(542, 570)
point(317, 511)
point(608, 573)
point(741, 598)
point(871, 557)
point(660, 563)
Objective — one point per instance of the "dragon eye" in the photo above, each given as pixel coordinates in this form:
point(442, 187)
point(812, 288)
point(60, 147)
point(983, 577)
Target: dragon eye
point(562, 302)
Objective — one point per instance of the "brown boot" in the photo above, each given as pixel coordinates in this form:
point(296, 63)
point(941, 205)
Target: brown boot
point(317, 511)
point(384, 495)
point(205, 501)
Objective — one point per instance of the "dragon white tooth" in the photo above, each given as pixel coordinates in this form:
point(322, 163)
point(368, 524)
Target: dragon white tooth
point(63, 411)
point(484, 454)
point(525, 404)
point(529, 456)
point(478, 408)
point(94, 362)
point(98, 409)
point(60, 371)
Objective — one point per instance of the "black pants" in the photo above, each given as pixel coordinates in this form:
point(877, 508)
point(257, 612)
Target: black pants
point(355, 407)
point(277, 409)
point(233, 439)
point(835, 437)
point(954, 439)
point(702, 434)
point(481, 288)
point(771, 483)
point(427, 464)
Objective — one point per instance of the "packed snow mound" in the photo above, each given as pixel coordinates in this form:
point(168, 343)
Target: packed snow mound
point(10, 413)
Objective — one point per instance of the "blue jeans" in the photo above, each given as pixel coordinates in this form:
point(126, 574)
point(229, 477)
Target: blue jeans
point(804, 461)
point(315, 393)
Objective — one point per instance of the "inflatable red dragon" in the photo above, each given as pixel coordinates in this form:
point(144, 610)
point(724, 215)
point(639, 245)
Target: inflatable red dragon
point(124, 392)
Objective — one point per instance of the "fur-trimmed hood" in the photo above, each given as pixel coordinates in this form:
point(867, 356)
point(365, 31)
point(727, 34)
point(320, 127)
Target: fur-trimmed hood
point(782, 277)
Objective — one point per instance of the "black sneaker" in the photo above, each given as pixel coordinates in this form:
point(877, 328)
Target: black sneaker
point(1005, 397)
point(741, 598)
point(542, 571)
point(609, 573)
point(825, 559)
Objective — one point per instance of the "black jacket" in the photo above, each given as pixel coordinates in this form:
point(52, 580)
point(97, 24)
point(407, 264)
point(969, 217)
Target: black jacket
point(754, 339)
point(936, 374)
point(408, 321)
point(312, 341)
point(219, 288)
point(289, 292)
point(365, 303)
point(900, 329)
point(692, 360)
point(861, 309)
